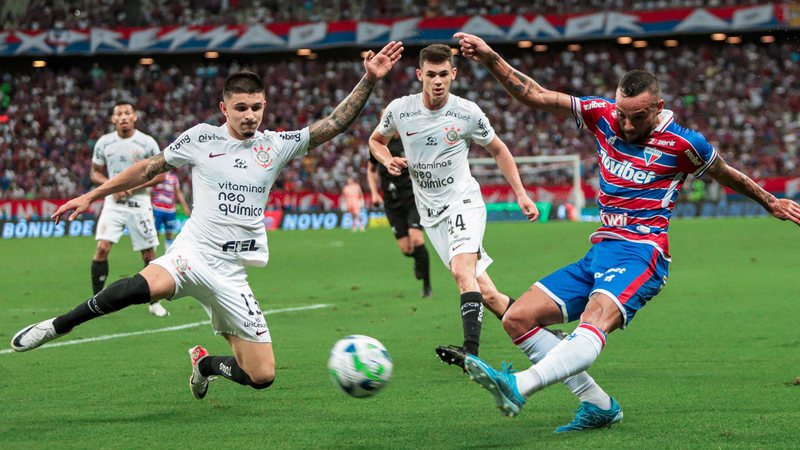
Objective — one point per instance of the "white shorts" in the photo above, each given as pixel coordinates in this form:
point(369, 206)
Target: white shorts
point(221, 288)
point(140, 222)
point(461, 232)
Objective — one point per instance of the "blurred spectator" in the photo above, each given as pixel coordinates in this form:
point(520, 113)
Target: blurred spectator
point(745, 98)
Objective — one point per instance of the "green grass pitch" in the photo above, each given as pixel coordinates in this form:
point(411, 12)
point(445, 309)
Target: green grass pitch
point(709, 363)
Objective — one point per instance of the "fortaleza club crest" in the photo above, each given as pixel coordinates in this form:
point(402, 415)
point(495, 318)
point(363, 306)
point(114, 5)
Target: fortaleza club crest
point(262, 156)
point(651, 154)
point(451, 135)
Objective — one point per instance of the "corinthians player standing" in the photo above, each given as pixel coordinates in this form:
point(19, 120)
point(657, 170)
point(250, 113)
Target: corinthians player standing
point(233, 168)
point(436, 128)
point(113, 153)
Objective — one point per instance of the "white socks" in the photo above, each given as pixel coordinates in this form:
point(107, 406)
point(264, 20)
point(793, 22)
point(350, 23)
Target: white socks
point(564, 360)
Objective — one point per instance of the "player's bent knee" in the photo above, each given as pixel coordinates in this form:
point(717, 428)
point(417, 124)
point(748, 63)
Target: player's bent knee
point(515, 324)
point(262, 379)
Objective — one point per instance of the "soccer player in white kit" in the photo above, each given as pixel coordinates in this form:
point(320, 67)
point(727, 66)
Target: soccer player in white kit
point(113, 153)
point(436, 128)
point(233, 168)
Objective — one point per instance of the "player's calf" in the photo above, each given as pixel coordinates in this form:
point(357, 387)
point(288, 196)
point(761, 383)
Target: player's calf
point(228, 367)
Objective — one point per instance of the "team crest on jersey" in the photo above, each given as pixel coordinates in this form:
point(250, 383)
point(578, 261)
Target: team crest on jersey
point(651, 154)
point(181, 264)
point(262, 156)
point(451, 135)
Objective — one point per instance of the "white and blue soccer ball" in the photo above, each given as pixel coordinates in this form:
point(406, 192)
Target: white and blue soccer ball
point(360, 365)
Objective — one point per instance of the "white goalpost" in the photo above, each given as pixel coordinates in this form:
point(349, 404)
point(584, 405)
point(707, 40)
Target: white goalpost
point(532, 166)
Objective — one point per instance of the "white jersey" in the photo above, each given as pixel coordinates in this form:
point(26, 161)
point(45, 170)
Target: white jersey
point(231, 180)
point(436, 144)
point(117, 154)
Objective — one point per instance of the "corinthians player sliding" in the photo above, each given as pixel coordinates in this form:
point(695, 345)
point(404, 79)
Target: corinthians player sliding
point(436, 128)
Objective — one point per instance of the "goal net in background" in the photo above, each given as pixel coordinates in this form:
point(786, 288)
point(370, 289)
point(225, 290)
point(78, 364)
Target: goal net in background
point(553, 181)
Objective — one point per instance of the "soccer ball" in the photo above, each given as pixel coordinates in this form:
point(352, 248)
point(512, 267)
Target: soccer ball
point(359, 365)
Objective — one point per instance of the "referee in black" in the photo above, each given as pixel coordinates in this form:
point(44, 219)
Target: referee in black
point(398, 200)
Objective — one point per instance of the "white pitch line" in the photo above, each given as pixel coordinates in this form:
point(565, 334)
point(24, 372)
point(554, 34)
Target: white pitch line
point(162, 330)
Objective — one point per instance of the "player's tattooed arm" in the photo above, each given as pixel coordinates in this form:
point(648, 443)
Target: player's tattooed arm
point(525, 90)
point(343, 116)
point(156, 166)
point(783, 208)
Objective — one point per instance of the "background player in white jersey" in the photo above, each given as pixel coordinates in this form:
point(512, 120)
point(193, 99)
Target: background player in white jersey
point(233, 169)
point(436, 128)
point(627, 263)
point(165, 196)
point(113, 153)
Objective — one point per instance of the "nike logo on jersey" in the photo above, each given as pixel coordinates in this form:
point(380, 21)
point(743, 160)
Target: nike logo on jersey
point(408, 133)
point(259, 333)
point(212, 155)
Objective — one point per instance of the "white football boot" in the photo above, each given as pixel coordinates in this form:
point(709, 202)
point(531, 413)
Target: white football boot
point(198, 384)
point(157, 309)
point(34, 335)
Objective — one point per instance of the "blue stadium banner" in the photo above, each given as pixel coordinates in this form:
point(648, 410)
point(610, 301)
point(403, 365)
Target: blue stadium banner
point(417, 30)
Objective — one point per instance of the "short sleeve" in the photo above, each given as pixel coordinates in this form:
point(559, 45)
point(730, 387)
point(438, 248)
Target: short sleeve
point(699, 156)
point(294, 143)
point(152, 147)
point(181, 151)
point(387, 127)
point(589, 110)
point(98, 157)
point(481, 131)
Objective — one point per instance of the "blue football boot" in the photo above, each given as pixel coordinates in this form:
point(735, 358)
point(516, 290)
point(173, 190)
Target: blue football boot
point(590, 416)
point(502, 384)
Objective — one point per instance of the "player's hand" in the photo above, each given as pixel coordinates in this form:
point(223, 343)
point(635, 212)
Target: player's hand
point(786, 209)
point(473, 47)
point(79, 204)
point(379, 64)
point(377, 201)
point(396, 165)
point(121, 196)
point(528, 208)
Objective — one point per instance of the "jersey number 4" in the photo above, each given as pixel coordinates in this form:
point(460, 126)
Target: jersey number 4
point(458, 223)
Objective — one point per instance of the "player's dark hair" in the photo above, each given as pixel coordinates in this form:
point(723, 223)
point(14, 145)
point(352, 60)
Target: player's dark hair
point(121, 103)
point(243, 82)
point(635, 82)
point(436, 53)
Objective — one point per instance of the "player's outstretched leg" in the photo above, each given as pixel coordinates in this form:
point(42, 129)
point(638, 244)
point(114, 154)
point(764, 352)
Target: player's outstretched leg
point(118, 295)
point(501, 383)
point(206, 367)
point(590, 416)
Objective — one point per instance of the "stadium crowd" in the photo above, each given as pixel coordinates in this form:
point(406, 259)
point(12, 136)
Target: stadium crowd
point(82, 14)
point(744, 98)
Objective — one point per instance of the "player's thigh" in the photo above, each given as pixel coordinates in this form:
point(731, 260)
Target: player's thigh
point(603, 312)
point(465, 236)
point(533, 308)
point(159, 280)
point(142, 228)
point(397, 220)
point(628, 274)
point(110, 225)
point(568, 288)
point(256, 358)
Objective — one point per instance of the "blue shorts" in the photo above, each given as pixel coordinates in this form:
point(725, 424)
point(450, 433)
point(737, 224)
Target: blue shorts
point(630, 273)
point(168, 219)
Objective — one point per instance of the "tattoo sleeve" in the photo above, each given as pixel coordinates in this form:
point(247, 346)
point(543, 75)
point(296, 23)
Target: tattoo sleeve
point(741, 183)
point(345, 113)
point(157, 165)
point(519, 85)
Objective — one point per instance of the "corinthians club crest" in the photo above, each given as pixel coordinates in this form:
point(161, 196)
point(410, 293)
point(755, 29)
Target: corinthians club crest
point(262, 157)
point(451, 135)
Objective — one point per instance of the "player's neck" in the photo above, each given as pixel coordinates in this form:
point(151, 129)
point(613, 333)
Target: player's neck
point(125, 134)
point(235, 134)
point(429, 103)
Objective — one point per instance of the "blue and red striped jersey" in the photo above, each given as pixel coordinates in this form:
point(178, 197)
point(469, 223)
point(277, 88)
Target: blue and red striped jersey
point(639, 183)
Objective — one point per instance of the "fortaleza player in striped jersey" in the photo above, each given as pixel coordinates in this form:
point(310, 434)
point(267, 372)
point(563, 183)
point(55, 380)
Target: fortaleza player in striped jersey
point(233, 168)
point(644, 158)
point(165, 195)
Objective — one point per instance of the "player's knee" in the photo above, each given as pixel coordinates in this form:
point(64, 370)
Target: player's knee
point(262, 379)
point(515, 324)
point(103, 249)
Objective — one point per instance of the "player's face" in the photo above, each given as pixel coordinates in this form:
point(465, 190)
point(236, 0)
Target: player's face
point(436, 79)
point(637, 116)
point(243, 113)
point(123, 117)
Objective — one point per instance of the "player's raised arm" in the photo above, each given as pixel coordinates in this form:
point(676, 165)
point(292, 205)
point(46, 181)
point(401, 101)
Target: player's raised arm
point(377, 66)
point(505, 161)
point(136, 175)
point(781, 208)
point(523, 88)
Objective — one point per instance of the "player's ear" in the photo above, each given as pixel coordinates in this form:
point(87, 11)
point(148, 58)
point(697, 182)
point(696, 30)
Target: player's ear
point(660, 105)
point(419, 75)
point(455, 71)
point(223, 109)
